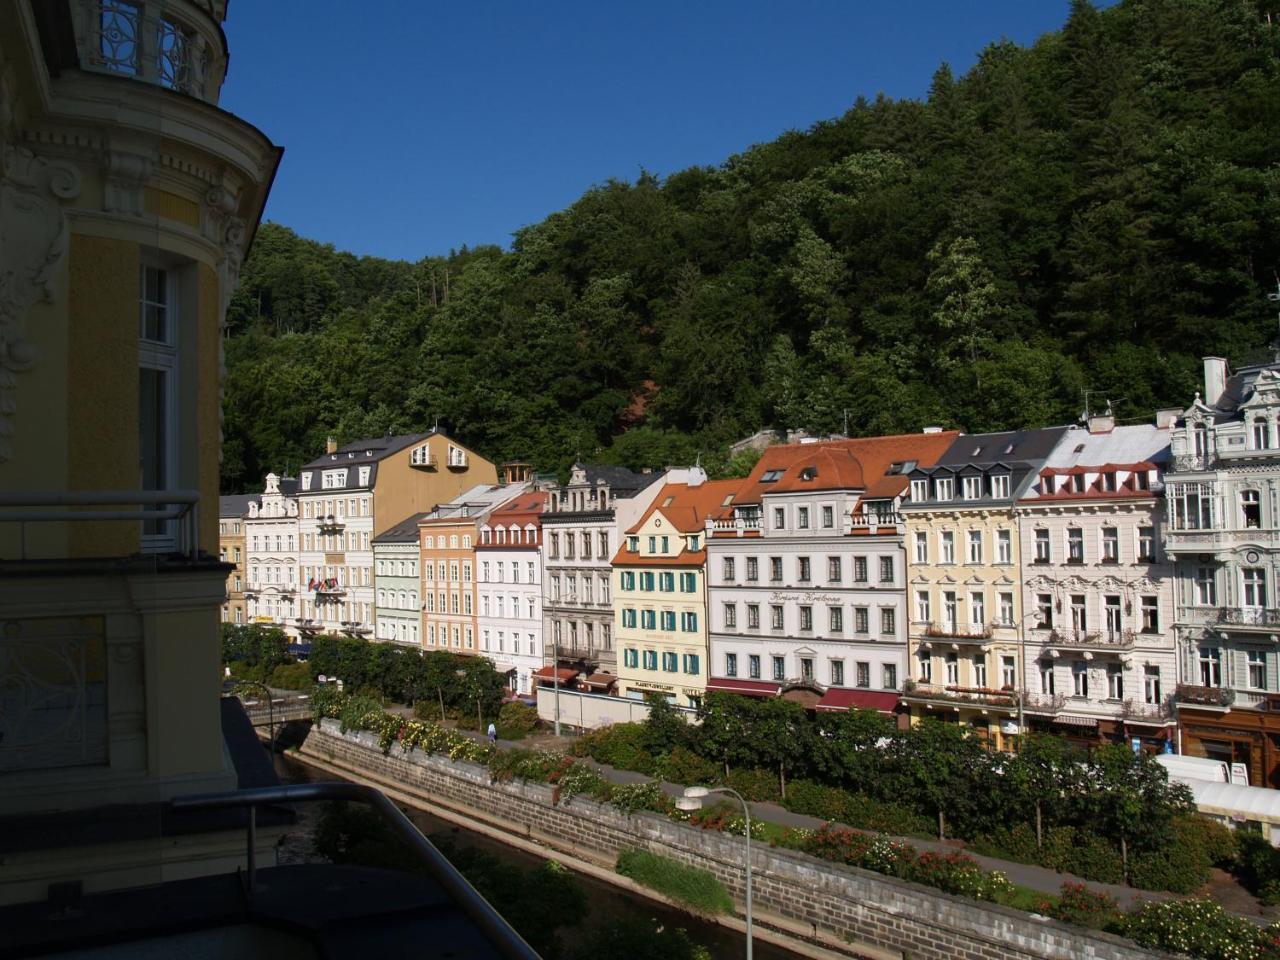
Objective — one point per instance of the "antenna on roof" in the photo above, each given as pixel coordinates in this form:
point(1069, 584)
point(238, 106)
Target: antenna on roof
point(1084, 414)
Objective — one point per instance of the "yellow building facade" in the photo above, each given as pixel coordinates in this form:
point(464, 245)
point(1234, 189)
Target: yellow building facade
point(659, 587)
point(964, 594)
point(128, 200)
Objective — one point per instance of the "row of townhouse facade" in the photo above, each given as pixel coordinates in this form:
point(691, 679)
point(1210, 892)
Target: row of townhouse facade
point(1100, 581)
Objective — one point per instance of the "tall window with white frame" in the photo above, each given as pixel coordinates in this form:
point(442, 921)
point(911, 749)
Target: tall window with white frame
point(157, 396)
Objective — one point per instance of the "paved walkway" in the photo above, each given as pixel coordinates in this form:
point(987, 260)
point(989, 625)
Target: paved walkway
point(1031, 876)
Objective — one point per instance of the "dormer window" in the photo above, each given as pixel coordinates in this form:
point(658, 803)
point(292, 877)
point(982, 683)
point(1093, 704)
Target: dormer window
point(633, 544)
point(1109, 481)
point(1000, 486)
point(808, 473)
point(457, 456)
point(942, 489)
point(421, 456)
point(1077, 483)
point(972, 488)
point(919, 491)
point(1141, 480)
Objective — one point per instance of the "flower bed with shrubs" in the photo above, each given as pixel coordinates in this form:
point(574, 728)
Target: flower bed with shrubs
point(1196, 928)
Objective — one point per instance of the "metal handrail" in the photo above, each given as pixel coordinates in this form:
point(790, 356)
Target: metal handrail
point(181, 504)
point(508, 942)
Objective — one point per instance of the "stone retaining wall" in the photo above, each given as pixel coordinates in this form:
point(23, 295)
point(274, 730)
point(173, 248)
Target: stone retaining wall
point(855, 905)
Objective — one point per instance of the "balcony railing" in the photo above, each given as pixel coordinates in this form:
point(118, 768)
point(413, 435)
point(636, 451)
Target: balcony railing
point(1188, 462)
point(1193, 695)
point(738, 526)
point(972, 695)
point(1112, 639)
point(423, 458)
point(330, 523)
point(171, 43)
point(179, 509)
point(954, 631)
point(1133, 710)
point(1046, 703)
point(872, 522)
point(1248, 616)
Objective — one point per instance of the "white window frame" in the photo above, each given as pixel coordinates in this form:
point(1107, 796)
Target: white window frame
point(163, 357)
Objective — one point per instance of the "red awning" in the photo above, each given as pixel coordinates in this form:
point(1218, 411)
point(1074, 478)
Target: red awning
point(751, 688)
point(840, 698)
point(547, 674)
point(604, 680)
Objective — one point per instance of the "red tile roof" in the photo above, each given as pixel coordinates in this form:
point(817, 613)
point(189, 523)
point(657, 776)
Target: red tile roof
point(858, 464)
point(687, 507)
point(530, 502)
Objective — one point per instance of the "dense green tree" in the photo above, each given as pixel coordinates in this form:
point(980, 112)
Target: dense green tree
point(1095, 211)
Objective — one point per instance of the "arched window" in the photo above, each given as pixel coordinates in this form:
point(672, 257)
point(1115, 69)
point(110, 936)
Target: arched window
point(466, 543)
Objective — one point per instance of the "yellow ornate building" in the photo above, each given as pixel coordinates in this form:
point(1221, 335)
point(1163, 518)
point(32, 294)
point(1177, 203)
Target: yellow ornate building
point(127, 202)
point(660, 592)
point(964, 581)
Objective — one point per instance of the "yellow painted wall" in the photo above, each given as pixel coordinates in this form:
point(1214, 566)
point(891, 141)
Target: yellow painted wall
point(209, 435)
point(102, 383)
point(401, 490)
point(171, 206)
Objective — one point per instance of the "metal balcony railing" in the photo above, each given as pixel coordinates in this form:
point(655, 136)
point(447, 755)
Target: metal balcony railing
point(954, 631)
point(1114, 639)
point(1193, 695)
point(173, 44)
point(498, 931)
point(1248, 616)
point(181, 508)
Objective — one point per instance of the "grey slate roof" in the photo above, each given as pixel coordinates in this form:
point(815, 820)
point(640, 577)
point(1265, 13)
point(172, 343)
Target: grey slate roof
point(236, 505)
point(365, 451)
point(1020, 453)
point(406, 531)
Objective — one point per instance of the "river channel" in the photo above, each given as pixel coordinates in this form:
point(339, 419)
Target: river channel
point(606, 902)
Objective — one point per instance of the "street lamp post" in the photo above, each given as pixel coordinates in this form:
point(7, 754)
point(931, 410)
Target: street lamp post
point(692, 800)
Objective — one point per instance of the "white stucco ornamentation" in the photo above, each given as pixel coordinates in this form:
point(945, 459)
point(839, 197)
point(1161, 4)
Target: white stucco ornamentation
point(33, 241)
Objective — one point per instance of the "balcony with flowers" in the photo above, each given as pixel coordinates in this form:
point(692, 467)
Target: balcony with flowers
point(1100, 641)
point(920, 692)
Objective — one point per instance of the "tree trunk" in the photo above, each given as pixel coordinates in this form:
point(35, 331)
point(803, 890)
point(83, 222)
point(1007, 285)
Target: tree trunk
point(726, 771)
point(942, 832)
point(1124, 858)
point(1039, 828)
point(782, 781)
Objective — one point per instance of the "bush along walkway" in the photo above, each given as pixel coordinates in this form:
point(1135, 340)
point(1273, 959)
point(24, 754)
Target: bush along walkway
point(1193, 927)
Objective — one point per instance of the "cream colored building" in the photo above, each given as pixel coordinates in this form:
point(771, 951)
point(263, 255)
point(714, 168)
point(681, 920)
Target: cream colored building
point(128, 199)
point(1101, 659)
point(232, 512)
point(660, 593)
point(354, 493)
point(964, 591)
point(271, 551)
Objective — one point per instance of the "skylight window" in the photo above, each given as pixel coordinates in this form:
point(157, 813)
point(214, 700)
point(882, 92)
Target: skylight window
point(668, 501)
point(808, 473)
point(1009, 448)
point(727, 500)
point(771, 476)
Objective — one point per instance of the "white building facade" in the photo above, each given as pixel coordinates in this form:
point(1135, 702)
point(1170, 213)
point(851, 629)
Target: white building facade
point(271, 556)
point(1223, 500)
point(806, 572)
point(509, 589)
point(581, 526)
point(1101, 658)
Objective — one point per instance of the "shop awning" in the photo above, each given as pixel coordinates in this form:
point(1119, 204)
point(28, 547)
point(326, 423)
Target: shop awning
point(601, 680)
point(548, 675)
point(1069, 721)
point(842, 698)
point(751, 688)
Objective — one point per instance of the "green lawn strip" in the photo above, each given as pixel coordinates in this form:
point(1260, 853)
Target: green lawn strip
point(691, 887)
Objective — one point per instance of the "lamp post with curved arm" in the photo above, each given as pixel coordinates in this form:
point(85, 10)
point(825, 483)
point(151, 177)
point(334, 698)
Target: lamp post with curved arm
point(271, 710)
point(692, 800)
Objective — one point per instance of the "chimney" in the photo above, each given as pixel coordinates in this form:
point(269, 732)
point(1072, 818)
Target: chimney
point(1167, 417)
point(1215, 380)
point(1102, 422)
point(932, 428)
point(331, 444)
point(697, 476)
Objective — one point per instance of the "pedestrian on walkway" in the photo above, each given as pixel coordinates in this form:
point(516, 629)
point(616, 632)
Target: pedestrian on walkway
point(493, 733)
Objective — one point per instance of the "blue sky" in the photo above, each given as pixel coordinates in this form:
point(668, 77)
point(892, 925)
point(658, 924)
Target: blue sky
point(414, 127)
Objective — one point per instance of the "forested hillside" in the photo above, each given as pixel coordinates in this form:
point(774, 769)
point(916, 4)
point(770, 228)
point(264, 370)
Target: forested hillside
point(1097, 211)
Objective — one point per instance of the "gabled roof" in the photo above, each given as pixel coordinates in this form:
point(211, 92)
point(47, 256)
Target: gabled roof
point(529, 503)
point(406, 531)
point(236, 505)
point(1008, 447)
point(687, 507)
point(862, 464)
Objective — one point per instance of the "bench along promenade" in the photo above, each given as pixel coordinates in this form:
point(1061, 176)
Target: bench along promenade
point(872, 914)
